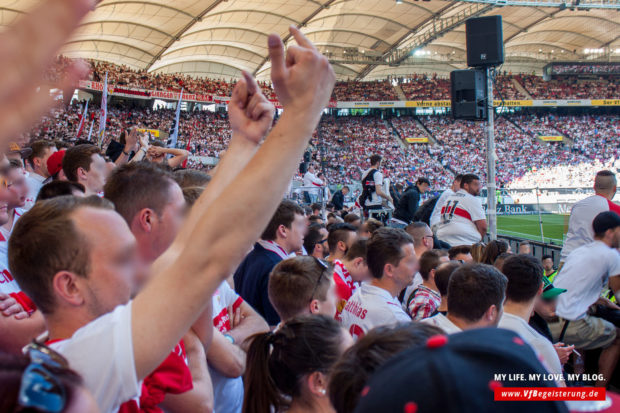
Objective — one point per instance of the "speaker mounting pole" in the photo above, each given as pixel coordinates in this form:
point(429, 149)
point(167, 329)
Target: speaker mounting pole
point(491, 188)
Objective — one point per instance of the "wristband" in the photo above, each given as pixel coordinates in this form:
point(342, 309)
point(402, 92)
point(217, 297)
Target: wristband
point(126, 153)
point(230, 338)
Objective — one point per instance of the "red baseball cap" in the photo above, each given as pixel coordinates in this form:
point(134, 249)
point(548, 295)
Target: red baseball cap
point(54, 162)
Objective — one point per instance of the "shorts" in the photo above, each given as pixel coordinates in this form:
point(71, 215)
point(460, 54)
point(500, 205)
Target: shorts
point(587, 333)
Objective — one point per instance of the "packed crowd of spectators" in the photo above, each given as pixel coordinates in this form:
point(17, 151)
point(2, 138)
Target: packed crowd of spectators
point(568, 69)
point(415, 87)
point(571, 88)
point(425, 87)
point(363, 91)
point(342, 142)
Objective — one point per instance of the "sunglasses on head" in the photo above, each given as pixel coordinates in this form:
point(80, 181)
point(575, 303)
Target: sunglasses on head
point(324, 267)
point(40, 388)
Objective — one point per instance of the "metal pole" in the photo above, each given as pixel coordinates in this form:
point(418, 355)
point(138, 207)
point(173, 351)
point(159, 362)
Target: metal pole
point(491, 196)
point(542, 235)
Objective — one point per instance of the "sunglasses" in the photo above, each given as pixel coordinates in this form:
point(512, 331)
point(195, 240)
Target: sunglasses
point(323, 267)
point(40, 388)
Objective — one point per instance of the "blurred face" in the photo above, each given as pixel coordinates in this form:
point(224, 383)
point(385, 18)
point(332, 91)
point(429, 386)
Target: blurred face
point(294, 236)
point(524, 249)
point(17, 188)
point(97, 175)
point(114, 263)
point(404, 272)
point(547, 264)
point(429, 240)
point(40, 163)
point(456, 185)
point(4, 191)
point(322, 247)
point(168, 225)
point(473, 188)
point(345, 191)
point(423, 188)
point(545, 308)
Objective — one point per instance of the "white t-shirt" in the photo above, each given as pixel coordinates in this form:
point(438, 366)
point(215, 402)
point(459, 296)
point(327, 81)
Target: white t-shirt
point(34, 182)
point(227, 392)
point(443, 322)
point(375, 199)
point(102, 353)
point(371, 307)
point(8, 285)
point(456, 226)
point(310, 179)
point(580, 230)
point(584, 275)
point(542, 347)
point(436, 215)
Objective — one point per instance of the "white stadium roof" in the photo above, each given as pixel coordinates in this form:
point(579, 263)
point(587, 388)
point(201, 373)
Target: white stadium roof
point(218, 38)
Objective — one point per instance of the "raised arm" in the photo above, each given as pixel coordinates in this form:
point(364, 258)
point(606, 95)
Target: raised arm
point(178, 156)
point(26, 50)
point(303, 80)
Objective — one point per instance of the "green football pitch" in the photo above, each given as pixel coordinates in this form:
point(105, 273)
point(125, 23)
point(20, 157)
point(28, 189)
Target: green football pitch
point(528, 226)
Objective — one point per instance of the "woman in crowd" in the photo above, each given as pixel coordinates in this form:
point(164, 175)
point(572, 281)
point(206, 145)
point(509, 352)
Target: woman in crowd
point(357, 364)
point(288, 370)
point(493, 250)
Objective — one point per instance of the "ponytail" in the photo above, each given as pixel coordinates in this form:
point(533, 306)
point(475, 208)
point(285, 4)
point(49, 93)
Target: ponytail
point(277, 362)
point(260, 391)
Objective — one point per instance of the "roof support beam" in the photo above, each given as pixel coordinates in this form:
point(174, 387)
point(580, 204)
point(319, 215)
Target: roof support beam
point(89, 23)
point(182, 31)
point(144, 3)
point(96, 40)
point(395, 45)
point(300, 25)
point(529, 26)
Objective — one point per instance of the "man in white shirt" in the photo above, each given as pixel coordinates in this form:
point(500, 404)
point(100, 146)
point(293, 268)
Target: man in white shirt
point(524, 273)
point(41, 151)
point(392, 262)
point(583, 212)
point(373, 191)
point(82, 279)
point(587, 271)
point(463, 221)
point(436, 215)
point(476, 295)
point(311, 180)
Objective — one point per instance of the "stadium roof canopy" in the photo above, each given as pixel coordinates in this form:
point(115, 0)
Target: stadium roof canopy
point(364, 39)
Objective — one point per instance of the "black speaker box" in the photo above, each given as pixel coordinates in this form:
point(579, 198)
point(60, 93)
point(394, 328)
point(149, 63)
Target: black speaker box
point(469, 94)
point(484, 39)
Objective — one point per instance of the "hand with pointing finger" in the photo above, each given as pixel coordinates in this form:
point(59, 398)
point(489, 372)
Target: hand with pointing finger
point(302, 77)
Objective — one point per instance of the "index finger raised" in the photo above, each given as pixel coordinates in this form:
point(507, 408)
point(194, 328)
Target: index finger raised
point(300, 38)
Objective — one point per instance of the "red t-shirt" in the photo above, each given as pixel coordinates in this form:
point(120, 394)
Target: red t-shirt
point(172, 376)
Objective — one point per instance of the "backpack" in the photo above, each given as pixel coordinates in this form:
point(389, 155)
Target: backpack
point(424, 212)
point(368, 189)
